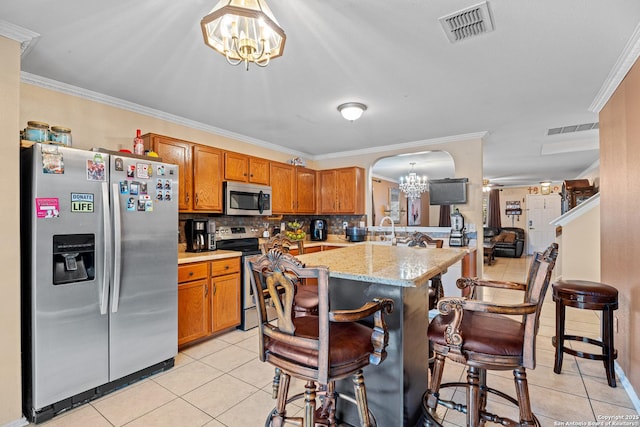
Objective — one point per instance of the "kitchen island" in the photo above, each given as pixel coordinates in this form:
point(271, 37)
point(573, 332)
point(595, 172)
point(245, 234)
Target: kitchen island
point(365, 271)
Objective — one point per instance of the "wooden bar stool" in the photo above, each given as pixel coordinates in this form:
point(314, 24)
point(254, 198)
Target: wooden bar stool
point(588, 296)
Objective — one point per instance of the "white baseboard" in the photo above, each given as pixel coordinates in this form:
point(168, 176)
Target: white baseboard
point(17, 423)
point(628, 387)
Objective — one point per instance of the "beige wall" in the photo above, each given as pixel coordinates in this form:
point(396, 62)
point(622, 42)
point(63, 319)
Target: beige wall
point(94, 124)
point(10, 394)
point(619, 207)
point(580, 247)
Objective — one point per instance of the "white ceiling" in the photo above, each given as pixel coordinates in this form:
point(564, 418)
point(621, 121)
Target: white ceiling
point(541, 68)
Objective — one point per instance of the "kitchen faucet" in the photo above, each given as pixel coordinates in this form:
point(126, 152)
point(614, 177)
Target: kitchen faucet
point(394, 241)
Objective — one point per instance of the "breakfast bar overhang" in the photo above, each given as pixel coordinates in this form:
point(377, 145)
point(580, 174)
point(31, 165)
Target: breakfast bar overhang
point(364, 271)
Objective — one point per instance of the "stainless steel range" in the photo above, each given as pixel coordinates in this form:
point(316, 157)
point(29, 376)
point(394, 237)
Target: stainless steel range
point(244, 239)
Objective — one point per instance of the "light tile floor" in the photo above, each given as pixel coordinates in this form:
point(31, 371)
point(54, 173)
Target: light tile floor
point(221, 382)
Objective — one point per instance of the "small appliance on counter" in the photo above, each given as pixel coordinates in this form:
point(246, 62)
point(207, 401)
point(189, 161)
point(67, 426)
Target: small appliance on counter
point(196, 231)
point(458, 234)
point(211, 236)
point(356, 234)
point(318, 229)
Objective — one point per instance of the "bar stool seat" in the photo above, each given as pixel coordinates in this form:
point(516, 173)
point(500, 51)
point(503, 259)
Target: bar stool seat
point(586, 295)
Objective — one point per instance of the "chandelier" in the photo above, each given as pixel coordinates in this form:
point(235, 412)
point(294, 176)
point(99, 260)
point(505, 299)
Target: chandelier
point(243, 31)
point(413, 185)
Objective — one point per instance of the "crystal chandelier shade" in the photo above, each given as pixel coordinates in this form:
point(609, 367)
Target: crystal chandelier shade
point(243, 31)
point(413, 185)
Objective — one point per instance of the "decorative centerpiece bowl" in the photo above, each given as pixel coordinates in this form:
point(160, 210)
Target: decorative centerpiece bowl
point(295, 232)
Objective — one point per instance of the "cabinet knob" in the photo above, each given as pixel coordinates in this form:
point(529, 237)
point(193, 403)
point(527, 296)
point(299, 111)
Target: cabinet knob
point(191, 273)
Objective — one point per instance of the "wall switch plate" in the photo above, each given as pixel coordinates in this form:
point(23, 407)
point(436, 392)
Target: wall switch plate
point(345, 224)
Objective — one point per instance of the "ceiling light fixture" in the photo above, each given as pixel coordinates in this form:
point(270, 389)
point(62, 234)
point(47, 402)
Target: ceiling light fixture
point(352, 110)
point(243, 31)
point(413, 185)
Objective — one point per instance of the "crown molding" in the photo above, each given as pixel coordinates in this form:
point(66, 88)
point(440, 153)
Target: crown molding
point(622, 66)
point(404, 146)
point(111, 101)
point(26, 38)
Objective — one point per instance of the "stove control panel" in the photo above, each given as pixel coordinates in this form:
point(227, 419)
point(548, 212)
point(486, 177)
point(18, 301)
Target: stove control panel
point(236, 232)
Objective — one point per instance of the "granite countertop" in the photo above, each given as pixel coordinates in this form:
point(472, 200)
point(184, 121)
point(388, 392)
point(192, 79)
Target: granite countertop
point(186, 257)
point(391, 265)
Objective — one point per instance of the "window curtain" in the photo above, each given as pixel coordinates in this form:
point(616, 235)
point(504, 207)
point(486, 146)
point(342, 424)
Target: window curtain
point(494, 209)
point(445, 216)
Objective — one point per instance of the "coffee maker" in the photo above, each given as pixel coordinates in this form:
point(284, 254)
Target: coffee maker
point(318, 229)
point(458, 234)
point(196, 231)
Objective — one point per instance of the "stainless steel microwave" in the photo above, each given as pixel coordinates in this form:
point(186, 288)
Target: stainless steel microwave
point(246, 199)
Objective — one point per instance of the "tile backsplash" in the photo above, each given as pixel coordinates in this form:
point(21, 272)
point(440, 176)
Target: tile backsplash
point(334, 222)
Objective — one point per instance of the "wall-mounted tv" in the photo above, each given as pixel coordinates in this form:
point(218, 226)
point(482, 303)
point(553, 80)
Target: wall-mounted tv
point(450, 191)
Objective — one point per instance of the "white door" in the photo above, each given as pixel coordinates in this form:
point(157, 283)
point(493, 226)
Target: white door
point(541, 210)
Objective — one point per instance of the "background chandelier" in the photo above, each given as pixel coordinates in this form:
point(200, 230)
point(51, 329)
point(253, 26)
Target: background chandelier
point(352, 110)
point(413, 185)
point(243, 31)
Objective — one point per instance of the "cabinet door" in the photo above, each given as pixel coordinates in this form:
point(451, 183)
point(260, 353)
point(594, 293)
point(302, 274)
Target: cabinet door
point(179, 153)
point(305, 191)
point(345, 190)
point(327, 191)
point(258, 171)
point(207, 182)
point(235, 167)
point(225, 302)
point(350, 190)
point(282, 186)
point(193, 310)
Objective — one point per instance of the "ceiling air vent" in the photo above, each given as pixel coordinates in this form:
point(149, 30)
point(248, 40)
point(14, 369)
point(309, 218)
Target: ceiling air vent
point(573, 128)
point(466, 23)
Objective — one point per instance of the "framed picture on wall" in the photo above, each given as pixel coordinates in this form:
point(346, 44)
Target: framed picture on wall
point(394, 204)
point(413, 211)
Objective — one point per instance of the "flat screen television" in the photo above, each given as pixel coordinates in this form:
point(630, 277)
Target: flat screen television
point(450, 191)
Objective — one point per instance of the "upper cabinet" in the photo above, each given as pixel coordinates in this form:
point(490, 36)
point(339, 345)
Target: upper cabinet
point(199, 171)
point(282, 186)
point(207, 179)
point(305, 190)
point(293, 189)
point(240, 167)
point(341, 191)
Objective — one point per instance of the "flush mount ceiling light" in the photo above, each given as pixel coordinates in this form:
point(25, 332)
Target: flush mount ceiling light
point(413, 185)
point(352, 110)
point(243, 31)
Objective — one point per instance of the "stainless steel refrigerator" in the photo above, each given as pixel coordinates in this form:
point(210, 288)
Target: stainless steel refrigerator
point(99, 275)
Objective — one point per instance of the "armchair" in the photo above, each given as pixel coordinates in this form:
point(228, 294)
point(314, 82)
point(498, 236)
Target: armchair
point(477, 334)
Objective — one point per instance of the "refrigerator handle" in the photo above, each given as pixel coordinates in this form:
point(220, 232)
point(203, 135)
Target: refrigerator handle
point(117, 243)
point(104, 293)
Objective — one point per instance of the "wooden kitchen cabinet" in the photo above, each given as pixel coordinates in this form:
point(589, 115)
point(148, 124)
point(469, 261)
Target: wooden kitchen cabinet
point(208, 298)
point(342, 191)
point(305, 191)
point(293, 189)
point(207, 179)
point(225, 294)
point(178, 152)
point(199, 171)
point(243, 168)
point(282, 187)
point(193, 302)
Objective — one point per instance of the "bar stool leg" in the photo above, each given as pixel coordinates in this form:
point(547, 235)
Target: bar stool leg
point(608, 349)
point(559, 338)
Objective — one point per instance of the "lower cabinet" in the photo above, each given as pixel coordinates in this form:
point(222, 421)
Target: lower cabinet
point(208, 298)
point(225, 294)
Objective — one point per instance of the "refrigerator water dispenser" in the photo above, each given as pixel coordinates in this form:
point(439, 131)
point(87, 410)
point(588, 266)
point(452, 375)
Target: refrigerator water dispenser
point(73, 258)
